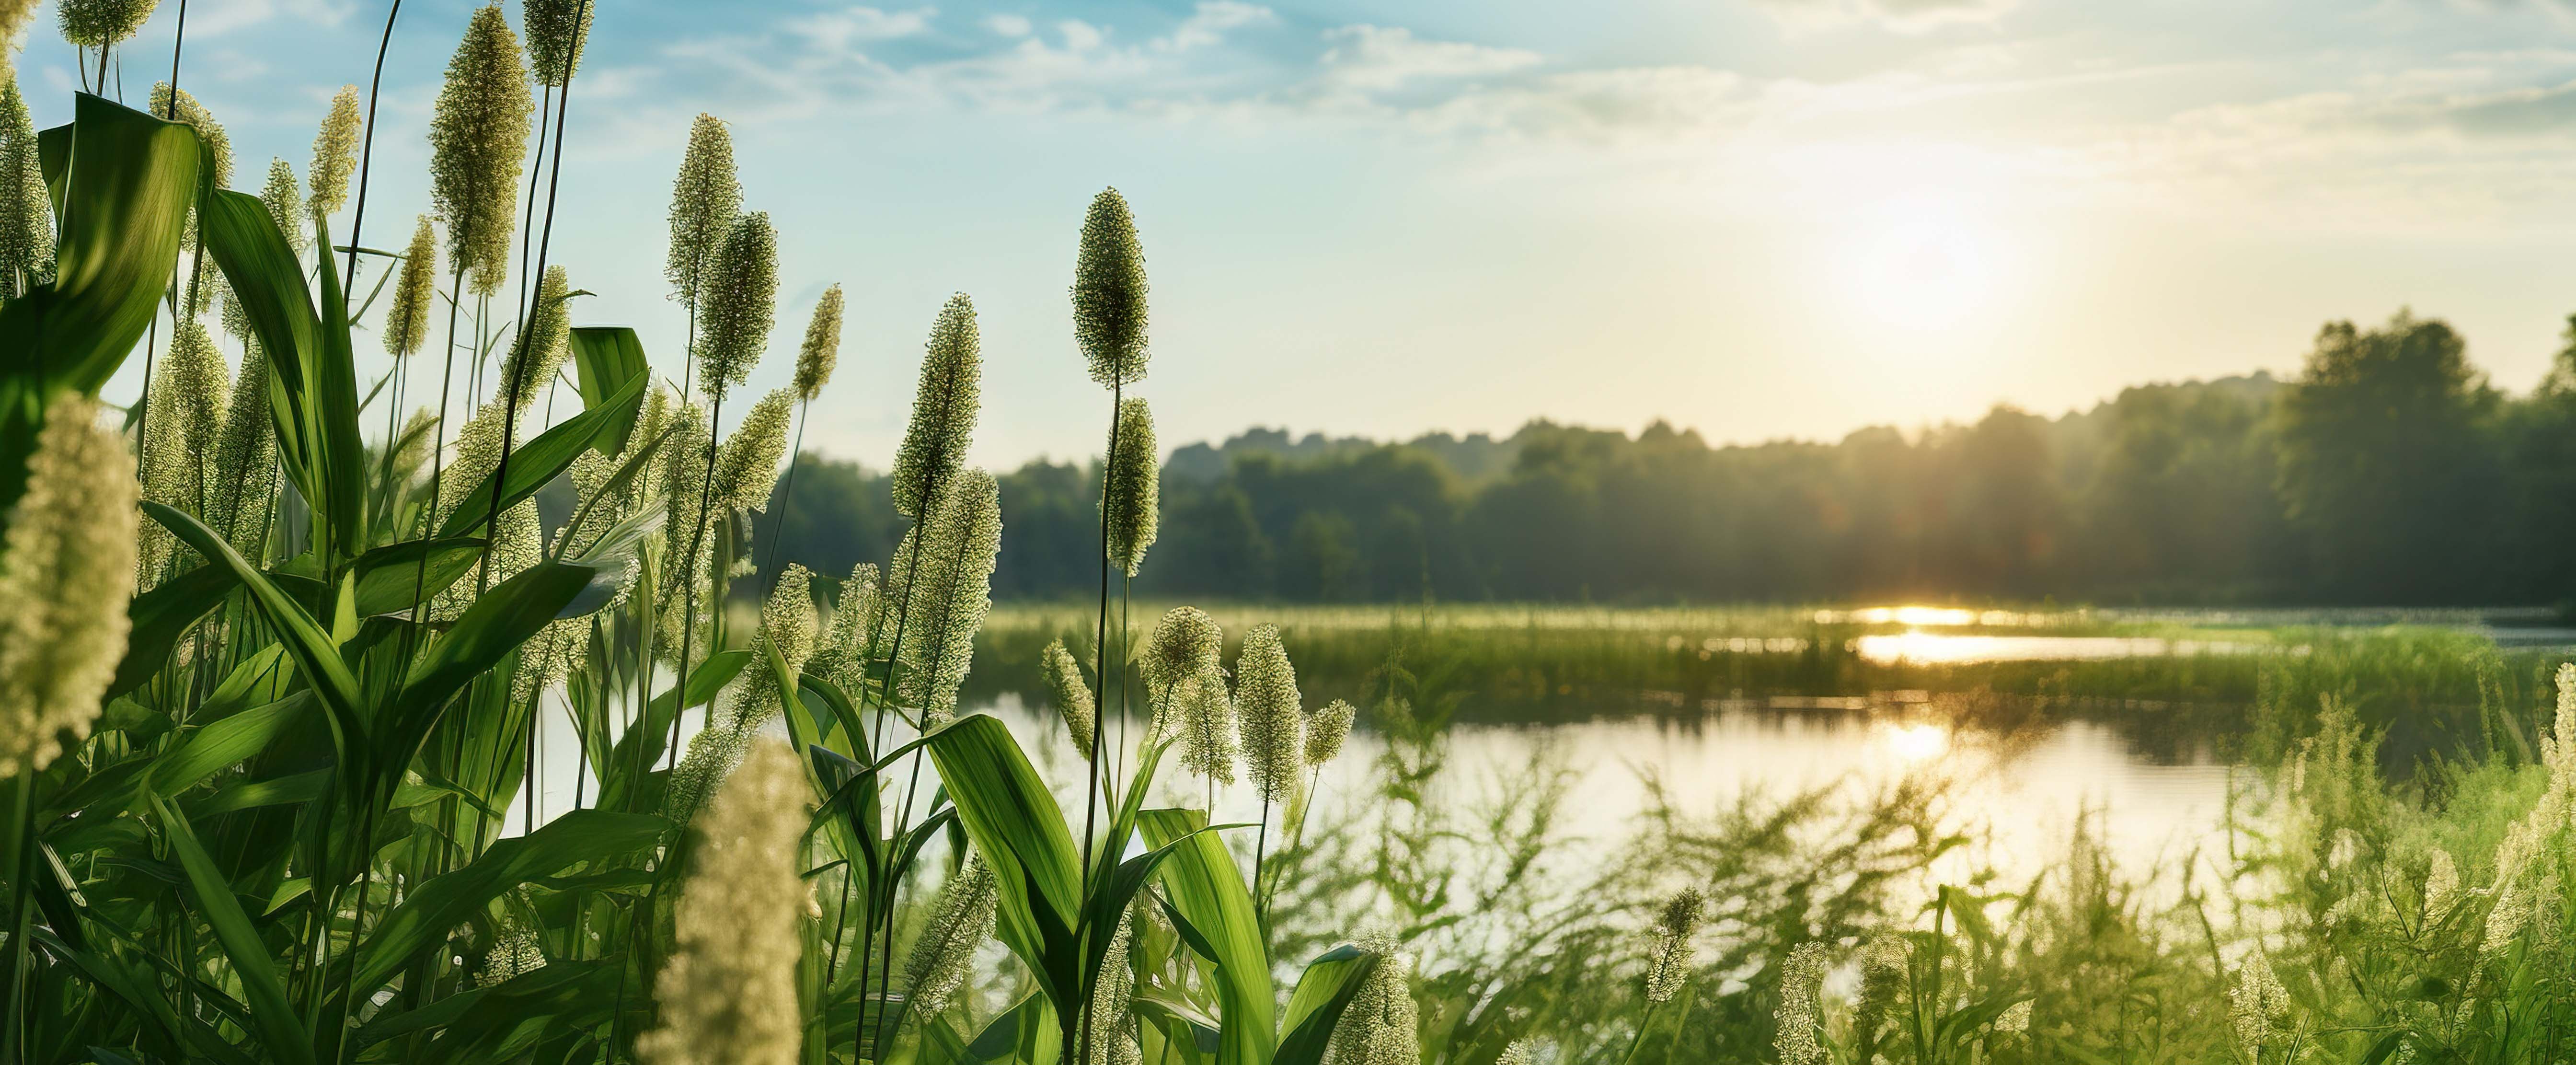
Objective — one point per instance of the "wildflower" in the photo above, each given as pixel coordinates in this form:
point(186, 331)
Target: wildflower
point(245, 460)
point(66, 571)
point(477, 136)
point(556, 31)
point(1185, 643)
point(747, 466)
point(335, 152)
point(415, 290)
point(1800, 1014)
point(2254, 1001)
point(787, 620)
point(99, 23)
point(943, 409)
point(1378, 1027)
point(948, 593)
point(1131, 491)
point(705, 197)
point(26, 209)
point(284, 197)
point(822, 346)
point(740, 296)
point(1206, 719)
point(1673, 929)
point(1273, 717)
point(960, 921)
point(540, 349)
point(1072, 696)
point(1109, 293)
point(728, 991)
point(1327, 730)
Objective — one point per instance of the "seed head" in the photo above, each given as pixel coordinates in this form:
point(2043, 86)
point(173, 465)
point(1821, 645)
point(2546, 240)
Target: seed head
point(1673, 949)
point(845, 652)
point(245, 460)
point(478, 135)
point(705, 197)
point(1072, 696)
point(960, 921)
point(1109, 293)
point(97, 23)
point(557, 29)
point(540, 349)
point(1111, 996)
point(2254, 1000)
point(514, 952)
point(948, 593)
point(415, 290)
point(14, 17)
point(943, 409)
point(822, 346)
point(1265, 688)
point(1131, 493)
point(1883, 961)
point(26, 209)
point(1206, 720)
point(2015, 1018)
point(549, 656)
point(1520, 1052)
point(1379, 1026)
point(335, 152)
point(787, 620)
point(66, 571)
point(2441, 885)
point(728, 991)
point(741, 299)
point(187, 411)
point(192, 114)
point(1185, 643)
point(747, 467)
point(285, 199)
point(517, 545)
point(1800, 1013)
point(1327, 730)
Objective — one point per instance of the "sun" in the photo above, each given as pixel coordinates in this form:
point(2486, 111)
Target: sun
point(1920, 260)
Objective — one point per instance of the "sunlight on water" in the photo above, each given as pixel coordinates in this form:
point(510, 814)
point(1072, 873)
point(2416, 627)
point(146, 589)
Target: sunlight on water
point(1926, 648)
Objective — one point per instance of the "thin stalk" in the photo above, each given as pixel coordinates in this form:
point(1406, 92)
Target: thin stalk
point(786, 498)
point(1091, 782)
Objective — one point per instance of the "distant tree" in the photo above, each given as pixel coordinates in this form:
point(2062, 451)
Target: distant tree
point(2386, 468)
point(1321, 564)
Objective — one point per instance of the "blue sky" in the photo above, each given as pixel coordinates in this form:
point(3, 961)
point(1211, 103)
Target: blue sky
point(1759, 218)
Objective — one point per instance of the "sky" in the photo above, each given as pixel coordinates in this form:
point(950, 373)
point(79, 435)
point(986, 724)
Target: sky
point(1760, 219)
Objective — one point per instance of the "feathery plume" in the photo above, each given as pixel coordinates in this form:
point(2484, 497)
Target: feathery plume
point(1111, 996)
point(728, 992)
point(1265, 689)
point(713, 753)
point(747, 464)
point(478, 454)
point(26, 209)
point(1072, 696)
point(1132, 493)
point(415, 293)
point(192, 114)
point(477, 136)
point(99, 23)
point(1883, 961)
point(822, 346)
point(943, 409)
point(2015, 1018)
point(960, 921)
point(705, 197)
point(844, 654)
point(682, 482)
point(14, 17)
point(245, 460)
point(1673, 948)
point(518, 544)
point(1109, 293)
point(335, 152)
point(1378, 1027)
point(1520, 1052)
point(1800, 1012)
point(2441, 885)
point(187, 410)
point(948, 594)
point(787, 620)
point(515, 950)
point(66, 571)
point(2254, 1000)
point(1184, 644)
point(1327, 731)
point(284, 197)
point(551, 655)
point(1206, 720)
point(740, 296)
point(557, 29)
point(541, 348)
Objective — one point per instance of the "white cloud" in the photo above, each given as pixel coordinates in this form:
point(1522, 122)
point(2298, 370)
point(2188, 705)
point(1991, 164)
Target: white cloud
point(840, 30)
point(243, 14)
point(1378, 58)
point(1208, 24)
point(1008, 25)
point(1903, 15)
point(1080, 36)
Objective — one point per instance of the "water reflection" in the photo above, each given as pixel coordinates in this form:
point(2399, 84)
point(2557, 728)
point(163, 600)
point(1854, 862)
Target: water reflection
point(1927, 648)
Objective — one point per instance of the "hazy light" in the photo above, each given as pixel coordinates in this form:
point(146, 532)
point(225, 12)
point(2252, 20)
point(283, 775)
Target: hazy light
point(1918, 742)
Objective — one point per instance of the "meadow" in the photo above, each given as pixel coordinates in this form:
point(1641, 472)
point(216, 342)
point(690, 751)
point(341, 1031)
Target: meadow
point(282, 650)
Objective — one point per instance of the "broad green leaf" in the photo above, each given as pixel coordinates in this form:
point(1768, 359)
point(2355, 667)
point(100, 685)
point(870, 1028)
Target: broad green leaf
point(160, 617)
point(211, 896)
point(1169, 1013)
point(443, 902)
point(541, 460)
point(1323, 992)
point(1018, 828)
point(393, 578)
point(1027, 1032)
point(500, 619)
point(1203, 883)
point(227, 741)
point(605, 359)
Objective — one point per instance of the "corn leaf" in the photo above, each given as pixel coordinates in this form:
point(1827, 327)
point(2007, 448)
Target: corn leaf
point(443, 902)
point(1202, 882)
point(1323, 992)
point(212, 898)
point(541, 460)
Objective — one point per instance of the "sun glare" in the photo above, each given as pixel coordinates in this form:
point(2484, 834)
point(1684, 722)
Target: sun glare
point(1920, 260)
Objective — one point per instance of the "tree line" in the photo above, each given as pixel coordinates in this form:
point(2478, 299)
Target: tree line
point(2388, 471)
